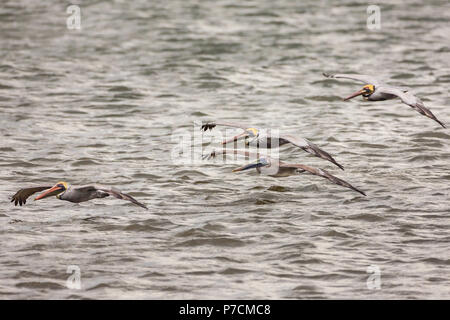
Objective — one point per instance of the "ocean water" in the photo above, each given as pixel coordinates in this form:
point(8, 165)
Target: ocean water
point(109, 103)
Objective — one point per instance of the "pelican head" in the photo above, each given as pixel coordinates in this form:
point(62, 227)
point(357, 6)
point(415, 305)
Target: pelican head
point(261, 162)
point(248, 133)
point(56, 190)
point(366, 91)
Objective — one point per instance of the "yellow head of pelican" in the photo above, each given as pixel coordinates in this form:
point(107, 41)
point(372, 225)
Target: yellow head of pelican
point(56, 190)
point(366, 91)
point(253, 132)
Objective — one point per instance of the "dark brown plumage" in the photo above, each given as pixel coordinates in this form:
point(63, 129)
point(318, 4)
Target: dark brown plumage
point(22, 195)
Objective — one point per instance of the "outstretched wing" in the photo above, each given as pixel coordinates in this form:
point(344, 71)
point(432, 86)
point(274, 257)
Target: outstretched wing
point(247, 154)
point(412, 101)
point(311, 148)
point(118, 194)
point(22, 195)
point(357, 77)
point(213, 124)
point(324, 174)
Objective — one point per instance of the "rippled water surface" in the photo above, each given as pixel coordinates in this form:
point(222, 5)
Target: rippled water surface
point(101, 104)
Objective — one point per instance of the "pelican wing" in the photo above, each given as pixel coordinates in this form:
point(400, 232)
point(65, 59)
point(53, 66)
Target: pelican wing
point(310, 148)
point(110, 191)
point(211, 125)
point(357, 77)
point(412, 101)
point(324, 174)
point(22, 195)
point(248, 154)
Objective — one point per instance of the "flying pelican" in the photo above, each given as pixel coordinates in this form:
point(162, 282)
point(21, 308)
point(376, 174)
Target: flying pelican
point(63, 191)
point(375, 90)
point(277, 168)
point(263, 138)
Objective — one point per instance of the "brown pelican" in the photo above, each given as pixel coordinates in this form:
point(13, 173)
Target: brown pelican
point(263, 138)
point(277, 168)
point(375, 90)
point(63, 191)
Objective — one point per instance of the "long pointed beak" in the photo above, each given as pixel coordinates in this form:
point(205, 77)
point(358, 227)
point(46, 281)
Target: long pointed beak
point(50, 192)
point(236, 138)
point(357, 93)
point(248, 166)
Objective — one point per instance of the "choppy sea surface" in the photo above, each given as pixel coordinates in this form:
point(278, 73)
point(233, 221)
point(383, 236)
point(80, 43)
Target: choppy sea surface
point(104, 104)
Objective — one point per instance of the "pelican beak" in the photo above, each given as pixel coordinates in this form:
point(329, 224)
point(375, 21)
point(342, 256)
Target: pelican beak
point(249, 166)
point(50, 192)
point(236, 138)
point(357, 93)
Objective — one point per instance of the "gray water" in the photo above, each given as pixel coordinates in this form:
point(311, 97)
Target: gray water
point(101, 105)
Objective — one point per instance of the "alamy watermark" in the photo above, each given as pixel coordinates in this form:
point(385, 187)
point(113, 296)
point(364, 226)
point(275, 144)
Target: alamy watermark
point(73, 21)
point(374, 17)
point(74, 280)
point(374, 280)
point(192, 146)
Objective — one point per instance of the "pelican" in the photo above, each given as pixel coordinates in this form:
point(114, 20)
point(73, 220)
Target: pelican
point(276, 168)
point(375, 90)
point(63, 191)
point(263, 138)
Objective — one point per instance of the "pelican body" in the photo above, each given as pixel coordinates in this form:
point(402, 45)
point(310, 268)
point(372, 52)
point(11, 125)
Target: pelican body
point(76, 194)
point(375, 90)
point(262, 138)
point(276, 168)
